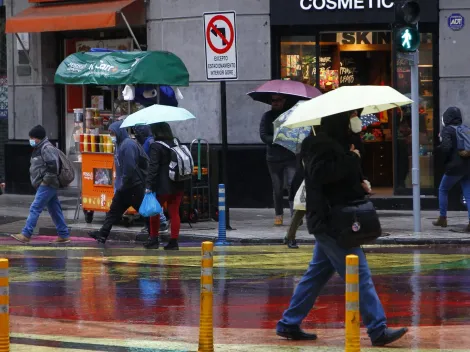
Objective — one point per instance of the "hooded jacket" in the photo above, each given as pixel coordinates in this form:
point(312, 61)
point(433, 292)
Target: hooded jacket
point(45, 163)
point(332, 177)
point(144, 136)
point(127, 157)
point(454, 164)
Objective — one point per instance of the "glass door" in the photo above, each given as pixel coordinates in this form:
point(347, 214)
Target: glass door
point(403, 184)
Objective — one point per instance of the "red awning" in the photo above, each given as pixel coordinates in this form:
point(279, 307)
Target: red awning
point(67, 17)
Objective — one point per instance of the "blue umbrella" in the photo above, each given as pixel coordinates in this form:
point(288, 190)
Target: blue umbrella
point(289, 138)
point(368, 120)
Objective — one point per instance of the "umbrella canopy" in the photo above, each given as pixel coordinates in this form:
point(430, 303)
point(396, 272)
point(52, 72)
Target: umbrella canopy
point(120, 68)
point(289, 138)
point(155, 114)
point(292, 88)
point(372, 99)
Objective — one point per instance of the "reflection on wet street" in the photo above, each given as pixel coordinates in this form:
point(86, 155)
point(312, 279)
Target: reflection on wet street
point(124, 298)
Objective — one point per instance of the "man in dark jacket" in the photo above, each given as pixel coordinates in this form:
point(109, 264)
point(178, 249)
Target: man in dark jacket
point(44, 171)
point(281, 161)
point(144, 136)
point(131, 165)
point(457, 169)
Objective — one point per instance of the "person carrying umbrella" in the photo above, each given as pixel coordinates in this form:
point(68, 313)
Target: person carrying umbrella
point(281, 161)
point(282, 95)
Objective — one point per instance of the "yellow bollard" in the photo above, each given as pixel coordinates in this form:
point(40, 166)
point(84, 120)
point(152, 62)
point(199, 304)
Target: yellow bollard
point(206, 328)
point(4, 307)
point(353, 317)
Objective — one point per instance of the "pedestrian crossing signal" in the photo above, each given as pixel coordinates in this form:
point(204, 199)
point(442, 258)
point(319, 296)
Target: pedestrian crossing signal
point(407, 39)
point(407, 15)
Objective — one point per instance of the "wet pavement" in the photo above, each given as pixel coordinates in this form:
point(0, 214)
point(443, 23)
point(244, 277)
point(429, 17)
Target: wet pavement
point(85, 297)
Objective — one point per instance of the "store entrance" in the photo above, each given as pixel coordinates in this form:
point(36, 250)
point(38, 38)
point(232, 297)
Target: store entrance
point(363, 58)
point(348, 59)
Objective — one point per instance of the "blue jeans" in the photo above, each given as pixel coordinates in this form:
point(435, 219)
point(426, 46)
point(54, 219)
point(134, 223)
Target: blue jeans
point(447, 183)
point(329, 258)
point(46, 197)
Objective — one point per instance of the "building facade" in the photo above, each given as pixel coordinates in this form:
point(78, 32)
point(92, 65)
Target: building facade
point(323, 43)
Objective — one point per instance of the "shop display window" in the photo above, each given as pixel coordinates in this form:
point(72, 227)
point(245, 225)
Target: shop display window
point(365, 58)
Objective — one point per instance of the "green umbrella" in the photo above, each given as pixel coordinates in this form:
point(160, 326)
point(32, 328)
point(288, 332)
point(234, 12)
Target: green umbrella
point(120, 68)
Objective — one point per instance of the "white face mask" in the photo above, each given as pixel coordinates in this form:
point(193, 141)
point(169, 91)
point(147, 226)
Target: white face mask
point(356, 124)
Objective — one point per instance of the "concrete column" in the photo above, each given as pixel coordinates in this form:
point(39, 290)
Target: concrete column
point(32, 94)
point(177, 26)
point(454, 58)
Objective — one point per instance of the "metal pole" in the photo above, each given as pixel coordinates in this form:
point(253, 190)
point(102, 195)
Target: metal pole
point(131, 31)
point(415, 143)
point(223, 111)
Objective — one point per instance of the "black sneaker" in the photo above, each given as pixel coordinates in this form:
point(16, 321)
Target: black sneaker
point(293, 332)
point(172, 245)
point(164, 226)
point(389, 336)
point(152, 243)
point(98, 236)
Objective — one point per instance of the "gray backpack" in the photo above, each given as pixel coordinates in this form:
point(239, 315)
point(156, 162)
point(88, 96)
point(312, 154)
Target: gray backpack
point(181, 163)
point(463, 140)
point(66, 173)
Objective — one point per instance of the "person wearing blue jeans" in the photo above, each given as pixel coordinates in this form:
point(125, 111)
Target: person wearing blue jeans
point(44, 171)
point(457, 169)
point(333, 178)
point(329, 258)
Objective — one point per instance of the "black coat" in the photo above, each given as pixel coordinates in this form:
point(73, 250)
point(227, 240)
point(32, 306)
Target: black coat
point(274, 152)
point(158, 178)
point(454, 164)
point(332, 177)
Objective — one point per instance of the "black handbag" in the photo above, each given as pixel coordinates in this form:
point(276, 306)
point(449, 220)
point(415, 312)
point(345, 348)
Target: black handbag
point(355, 224)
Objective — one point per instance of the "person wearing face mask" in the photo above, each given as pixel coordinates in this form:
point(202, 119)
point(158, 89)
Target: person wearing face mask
point(281, 161)
point(131, 165)
point(356, 128)
point(44, 172)
point(144, 136)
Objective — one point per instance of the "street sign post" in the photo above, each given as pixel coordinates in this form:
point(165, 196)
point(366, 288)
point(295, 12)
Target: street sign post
point(220, 36)
point(221, 46)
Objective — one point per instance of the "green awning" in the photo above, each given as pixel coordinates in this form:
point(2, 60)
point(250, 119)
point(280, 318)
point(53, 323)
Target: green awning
point(119, 68)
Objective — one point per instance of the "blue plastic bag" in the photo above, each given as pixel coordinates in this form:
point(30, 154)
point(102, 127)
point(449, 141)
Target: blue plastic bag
point(150, 206)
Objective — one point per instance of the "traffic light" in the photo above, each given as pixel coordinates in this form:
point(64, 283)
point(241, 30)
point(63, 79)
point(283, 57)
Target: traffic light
point(407, 15)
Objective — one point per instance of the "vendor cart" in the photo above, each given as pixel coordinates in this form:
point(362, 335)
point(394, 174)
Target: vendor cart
point(111, 70)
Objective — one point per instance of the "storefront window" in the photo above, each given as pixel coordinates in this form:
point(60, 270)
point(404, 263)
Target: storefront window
point(365, 58)
point(298, 59)
point(426, 113)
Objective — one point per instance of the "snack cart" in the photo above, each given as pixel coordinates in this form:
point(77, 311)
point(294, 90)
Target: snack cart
point(111, 71)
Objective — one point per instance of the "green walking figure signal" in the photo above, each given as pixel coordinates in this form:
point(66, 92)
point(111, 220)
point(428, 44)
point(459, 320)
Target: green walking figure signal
point(406, 43)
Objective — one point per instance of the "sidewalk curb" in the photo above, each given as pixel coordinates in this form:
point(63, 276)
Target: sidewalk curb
point(185, 237)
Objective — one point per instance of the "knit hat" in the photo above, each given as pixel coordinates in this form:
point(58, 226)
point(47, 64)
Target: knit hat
point(38, 132)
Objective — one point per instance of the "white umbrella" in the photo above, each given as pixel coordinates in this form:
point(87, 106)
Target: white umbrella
point(155, 114)
point(372, 99)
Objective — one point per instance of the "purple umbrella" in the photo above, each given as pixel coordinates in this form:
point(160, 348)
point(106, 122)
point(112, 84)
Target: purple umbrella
point(292, 88)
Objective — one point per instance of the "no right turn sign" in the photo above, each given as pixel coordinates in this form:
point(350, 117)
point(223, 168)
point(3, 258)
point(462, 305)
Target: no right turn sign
point(221, 46)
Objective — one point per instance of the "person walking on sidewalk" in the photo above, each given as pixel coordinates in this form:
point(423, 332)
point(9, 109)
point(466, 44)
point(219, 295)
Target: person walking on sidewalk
point(332, 179)
point(144, 136)
point(44, 175)
point(281, 161)
point(131, 164)
point(159, 182)
point(457, 169)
